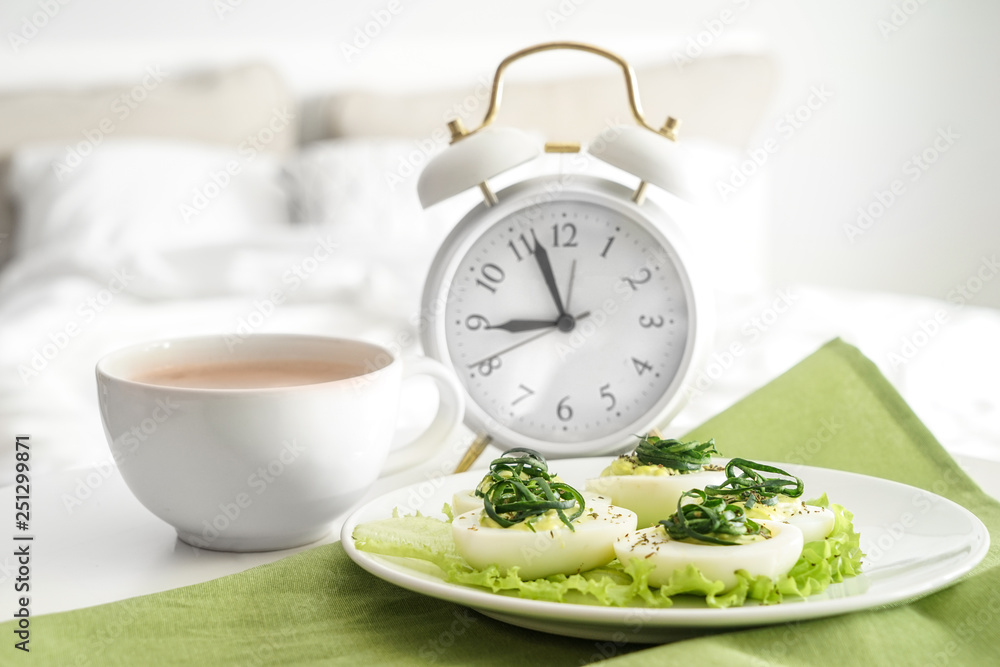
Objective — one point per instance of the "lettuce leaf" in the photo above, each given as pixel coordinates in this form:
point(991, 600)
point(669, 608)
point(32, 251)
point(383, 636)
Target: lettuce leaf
point(429, 539)
point(416, 536)
point(612, 585)
point(822, 563)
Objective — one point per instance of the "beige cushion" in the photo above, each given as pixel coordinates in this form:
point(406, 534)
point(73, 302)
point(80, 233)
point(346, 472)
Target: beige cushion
point(222, 108)
point(719, 98)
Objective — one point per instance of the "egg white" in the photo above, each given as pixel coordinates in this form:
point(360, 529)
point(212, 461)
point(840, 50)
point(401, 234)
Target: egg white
point(552, 550)
point(464, 501)
point(816, 523)
point(652, 497)
point(772, 557)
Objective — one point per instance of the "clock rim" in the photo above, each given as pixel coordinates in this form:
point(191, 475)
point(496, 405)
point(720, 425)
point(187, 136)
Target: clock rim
point(616, 196)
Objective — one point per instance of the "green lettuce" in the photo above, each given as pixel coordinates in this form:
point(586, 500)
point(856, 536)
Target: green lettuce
point(429, 539)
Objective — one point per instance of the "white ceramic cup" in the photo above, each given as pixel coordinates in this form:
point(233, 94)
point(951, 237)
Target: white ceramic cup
point(258, 469)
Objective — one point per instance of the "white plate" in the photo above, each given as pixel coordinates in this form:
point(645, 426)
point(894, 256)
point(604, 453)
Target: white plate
point(916, 543)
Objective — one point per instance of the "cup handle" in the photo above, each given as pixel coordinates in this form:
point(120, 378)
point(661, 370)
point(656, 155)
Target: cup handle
point(451, 409)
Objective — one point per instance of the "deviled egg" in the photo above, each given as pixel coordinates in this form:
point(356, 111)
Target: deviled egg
point(524, 517)
point(650, 480)
point(545, 545)
point(772, 555)
point(816, 523)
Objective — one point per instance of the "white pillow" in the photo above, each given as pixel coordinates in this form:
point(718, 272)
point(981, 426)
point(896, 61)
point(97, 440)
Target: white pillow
point(142, 204)
point(364, 193)
point(365, 190)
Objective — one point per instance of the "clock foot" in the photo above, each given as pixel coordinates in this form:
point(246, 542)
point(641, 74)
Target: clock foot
point(473, 452)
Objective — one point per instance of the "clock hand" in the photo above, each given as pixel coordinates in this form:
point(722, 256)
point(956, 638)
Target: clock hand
point(515, 326)
point(569, 290)
point(542, 257)
point(530, 339)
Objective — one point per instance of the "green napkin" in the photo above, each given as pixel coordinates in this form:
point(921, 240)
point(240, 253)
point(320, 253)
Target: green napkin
point(834, 409)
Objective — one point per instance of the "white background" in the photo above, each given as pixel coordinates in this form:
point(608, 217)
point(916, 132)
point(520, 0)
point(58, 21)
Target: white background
point(892, 91)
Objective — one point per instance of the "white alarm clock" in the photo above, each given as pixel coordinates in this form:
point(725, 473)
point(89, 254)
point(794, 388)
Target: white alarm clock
point(568, 307)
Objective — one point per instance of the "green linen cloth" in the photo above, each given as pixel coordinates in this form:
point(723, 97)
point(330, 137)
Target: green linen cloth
point(834, 409)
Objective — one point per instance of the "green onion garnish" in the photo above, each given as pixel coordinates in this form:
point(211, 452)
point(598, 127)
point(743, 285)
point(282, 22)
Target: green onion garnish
point(751, 488)
point(709, 520)
point(519, 487)
point(519, 462)
point(675, 454)
point(511, 500)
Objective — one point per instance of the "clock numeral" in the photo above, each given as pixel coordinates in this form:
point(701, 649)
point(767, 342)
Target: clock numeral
point(646, 322)
point(563, 410)
point(641, 366)
point(569, 235)
point(493, 274)
point(487, 366)
point(606, 393)
point(529, 248)
point(640, 277)
point(604, 253)
point(476, 322)
point(525, 393)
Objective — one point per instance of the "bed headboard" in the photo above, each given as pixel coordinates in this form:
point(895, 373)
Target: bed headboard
point(219, 107)
point(721, 98)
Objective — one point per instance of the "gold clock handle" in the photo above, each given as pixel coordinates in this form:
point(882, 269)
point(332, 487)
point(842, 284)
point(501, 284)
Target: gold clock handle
point(473, 452)
point(668, 130)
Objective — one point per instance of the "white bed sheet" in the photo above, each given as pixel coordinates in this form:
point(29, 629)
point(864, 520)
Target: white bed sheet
point(62, 308)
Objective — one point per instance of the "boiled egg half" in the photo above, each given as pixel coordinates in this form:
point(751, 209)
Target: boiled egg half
point(816, 523)
point(651, 492)
point(773, 556)
point(551, 549)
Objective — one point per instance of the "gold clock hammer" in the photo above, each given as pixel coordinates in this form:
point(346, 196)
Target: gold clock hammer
point(668, 130)
point(474, 451)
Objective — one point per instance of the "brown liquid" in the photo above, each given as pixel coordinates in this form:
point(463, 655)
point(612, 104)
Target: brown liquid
point(250, 374)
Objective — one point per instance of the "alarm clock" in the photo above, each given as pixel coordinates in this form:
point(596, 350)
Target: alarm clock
point(567, 305)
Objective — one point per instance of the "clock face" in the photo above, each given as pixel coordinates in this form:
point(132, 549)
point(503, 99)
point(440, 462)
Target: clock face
point(567, 320)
